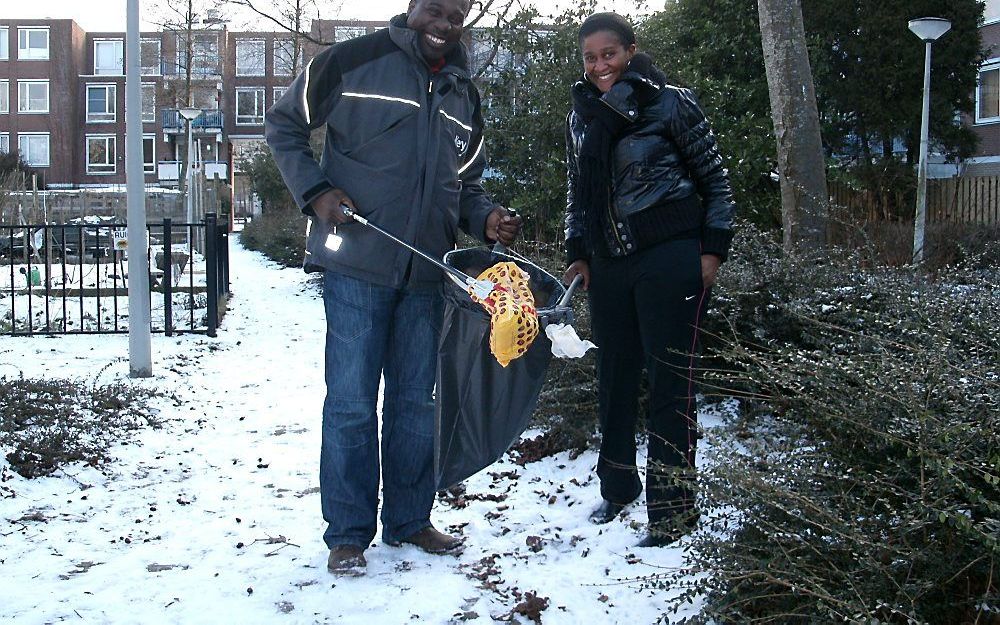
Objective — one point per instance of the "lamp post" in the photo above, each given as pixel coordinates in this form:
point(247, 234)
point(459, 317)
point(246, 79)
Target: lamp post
point(928, 29)
point(189, 115)
point(139, 342)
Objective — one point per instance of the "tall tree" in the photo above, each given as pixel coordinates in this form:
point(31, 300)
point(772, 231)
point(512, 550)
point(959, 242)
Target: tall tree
point(715, 50)
point(197, 46)
point(801, 166)
point(525, 103)
point(294, 17)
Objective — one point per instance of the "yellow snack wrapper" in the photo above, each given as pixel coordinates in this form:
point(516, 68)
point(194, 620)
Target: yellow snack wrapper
point(513, 319)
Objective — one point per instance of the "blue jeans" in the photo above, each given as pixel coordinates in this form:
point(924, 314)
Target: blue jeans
point(374, 331)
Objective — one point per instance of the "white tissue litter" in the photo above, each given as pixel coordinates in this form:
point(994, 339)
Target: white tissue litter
point(565, 342)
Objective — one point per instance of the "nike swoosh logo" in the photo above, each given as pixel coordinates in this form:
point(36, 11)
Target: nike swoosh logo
point(689, 298)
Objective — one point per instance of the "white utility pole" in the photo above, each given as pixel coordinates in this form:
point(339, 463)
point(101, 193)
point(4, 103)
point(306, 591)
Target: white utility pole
point(139, 350)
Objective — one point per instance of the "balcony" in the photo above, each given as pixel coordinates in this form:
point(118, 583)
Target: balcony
point(170, 171)
point(208, 121)
point(216, 169)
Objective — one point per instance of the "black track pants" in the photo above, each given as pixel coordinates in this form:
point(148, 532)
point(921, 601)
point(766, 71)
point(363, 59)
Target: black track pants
point(645, 310)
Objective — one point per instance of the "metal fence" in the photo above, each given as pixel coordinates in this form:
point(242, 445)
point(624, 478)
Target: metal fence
point(71, 278)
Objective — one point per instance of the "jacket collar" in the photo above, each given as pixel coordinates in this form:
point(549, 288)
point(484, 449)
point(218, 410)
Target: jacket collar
point(626, 96)
point(456, 62)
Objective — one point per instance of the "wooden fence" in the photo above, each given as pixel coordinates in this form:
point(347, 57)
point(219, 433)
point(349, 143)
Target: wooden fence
point(967, 199)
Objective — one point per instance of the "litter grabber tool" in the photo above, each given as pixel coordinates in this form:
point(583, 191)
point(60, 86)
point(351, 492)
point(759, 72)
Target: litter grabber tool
point(498, 247)
point(481, 288)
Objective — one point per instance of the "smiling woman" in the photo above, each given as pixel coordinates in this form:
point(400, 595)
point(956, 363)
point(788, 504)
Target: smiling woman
point(648, 221)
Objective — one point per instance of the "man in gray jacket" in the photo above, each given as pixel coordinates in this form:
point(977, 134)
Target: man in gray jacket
point(404, 147)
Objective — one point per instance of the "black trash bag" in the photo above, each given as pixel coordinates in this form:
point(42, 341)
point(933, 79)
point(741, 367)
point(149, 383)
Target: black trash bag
point(481, 407)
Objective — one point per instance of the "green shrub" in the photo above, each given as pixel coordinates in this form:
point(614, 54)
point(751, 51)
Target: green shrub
point(860, 483)
point(46, 424)
point(278, 234)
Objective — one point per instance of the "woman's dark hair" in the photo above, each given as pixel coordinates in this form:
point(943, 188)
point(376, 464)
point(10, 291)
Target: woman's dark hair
point(611, 22)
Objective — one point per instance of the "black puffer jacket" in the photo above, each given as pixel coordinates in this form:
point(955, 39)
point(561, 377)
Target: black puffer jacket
point(668, 179)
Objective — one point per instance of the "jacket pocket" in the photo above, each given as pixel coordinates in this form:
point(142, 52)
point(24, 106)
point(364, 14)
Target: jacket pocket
point(372, 130)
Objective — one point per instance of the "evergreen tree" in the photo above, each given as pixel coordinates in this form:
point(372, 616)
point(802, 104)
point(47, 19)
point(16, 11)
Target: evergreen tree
point(525, 105)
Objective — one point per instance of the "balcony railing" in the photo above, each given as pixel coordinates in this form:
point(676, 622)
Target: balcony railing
point(208, 120)
point(171, 170)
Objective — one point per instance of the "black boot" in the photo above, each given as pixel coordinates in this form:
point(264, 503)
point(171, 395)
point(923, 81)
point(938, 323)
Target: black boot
point(606, 512)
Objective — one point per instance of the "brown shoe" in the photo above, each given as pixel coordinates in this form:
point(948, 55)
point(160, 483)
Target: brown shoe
point(434, 542)
point(348, 560)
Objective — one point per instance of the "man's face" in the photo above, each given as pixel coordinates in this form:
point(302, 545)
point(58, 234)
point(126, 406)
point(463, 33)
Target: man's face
point(438, 24)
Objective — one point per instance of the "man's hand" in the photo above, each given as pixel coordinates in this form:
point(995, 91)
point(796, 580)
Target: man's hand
point(709, 268)
point(580, 267)
point(327, 207)
point(500, 226)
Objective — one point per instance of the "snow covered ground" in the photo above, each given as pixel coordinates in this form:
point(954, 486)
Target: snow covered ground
point(215, 517)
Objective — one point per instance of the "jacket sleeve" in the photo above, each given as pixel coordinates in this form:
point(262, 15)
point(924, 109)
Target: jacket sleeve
point(576, 246)
point(694, 138)
point(475, 204)
point(288, 124)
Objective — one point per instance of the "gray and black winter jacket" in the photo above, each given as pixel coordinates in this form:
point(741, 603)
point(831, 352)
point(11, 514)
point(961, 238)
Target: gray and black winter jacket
point(404, 143)
point(667, 176)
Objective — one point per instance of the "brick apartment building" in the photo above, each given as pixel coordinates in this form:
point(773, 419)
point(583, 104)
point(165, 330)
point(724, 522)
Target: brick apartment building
point(62, 96)
point(986, 120)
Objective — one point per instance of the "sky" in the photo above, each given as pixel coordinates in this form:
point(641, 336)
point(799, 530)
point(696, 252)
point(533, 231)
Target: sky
point(96, 15)
point(215, 517)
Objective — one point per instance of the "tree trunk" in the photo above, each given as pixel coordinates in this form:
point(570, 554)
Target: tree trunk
point(801, 167)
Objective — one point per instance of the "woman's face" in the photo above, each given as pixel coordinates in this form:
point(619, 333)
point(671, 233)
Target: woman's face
point(605, 58)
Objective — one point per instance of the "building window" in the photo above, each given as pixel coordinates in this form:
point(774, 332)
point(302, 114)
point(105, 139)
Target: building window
point(4, 96)
point(4, 43)
point(343, 33)
point(284, 57)
point(278, 92)
point(205, 98)
point(249, 57)
point(109, 57)
point(250, 106)
point(32, 96)
point(204, 55)
point(149, 57)
point(149, 154)
point(148, 103)
point(988, 95)
point(4, 142)
point(102, 153)
point(33, 44)
point(101, 103)
point(34, 148)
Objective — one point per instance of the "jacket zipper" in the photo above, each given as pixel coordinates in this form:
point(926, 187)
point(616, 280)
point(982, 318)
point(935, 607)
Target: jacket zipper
point(423, 169)
point(612, 222)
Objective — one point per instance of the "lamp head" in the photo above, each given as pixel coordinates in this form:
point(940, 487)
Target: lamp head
point(929, 28)
point(189, 113)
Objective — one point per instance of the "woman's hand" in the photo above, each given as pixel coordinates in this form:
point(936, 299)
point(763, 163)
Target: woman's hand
point(709, 268)
point(578, 267)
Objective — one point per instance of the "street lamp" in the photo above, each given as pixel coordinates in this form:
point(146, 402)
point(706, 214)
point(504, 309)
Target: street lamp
point(189, 115)
point(928, 29)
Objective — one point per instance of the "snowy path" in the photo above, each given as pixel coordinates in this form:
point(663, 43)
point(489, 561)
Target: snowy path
point(190, 525)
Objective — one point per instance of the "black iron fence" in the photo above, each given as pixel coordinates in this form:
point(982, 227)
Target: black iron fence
point(72, 278)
